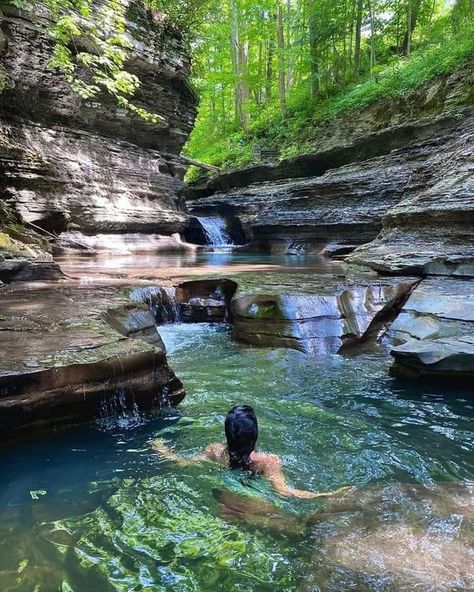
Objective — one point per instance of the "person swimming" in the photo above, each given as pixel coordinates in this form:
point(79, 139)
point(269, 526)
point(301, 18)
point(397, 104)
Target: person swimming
point(241, 430)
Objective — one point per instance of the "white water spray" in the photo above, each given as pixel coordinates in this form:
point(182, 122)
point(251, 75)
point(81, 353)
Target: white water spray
point(216, 231)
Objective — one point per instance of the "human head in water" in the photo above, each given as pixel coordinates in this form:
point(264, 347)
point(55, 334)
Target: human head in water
point(241, 430)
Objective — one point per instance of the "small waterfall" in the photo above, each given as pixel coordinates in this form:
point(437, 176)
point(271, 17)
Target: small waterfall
point(170, 309)
point(162, 301)
point(216, 232)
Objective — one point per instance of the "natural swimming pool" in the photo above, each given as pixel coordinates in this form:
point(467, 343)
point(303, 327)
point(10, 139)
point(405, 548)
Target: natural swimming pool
point(94, 508)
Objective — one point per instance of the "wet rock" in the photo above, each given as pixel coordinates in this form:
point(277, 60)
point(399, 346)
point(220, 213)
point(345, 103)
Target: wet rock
point(204, 301)
point(204, 310)
point(397, 537)
point(28, 270)
point(437, 308)
point(317, 323)
point(61, 362)
point(448, 358)
point(137, 321)
point(434, 331)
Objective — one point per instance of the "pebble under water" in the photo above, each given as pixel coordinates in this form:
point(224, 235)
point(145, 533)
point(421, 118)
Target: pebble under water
point(95, 509)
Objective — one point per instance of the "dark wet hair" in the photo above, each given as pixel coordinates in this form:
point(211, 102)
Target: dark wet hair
point(241, 430)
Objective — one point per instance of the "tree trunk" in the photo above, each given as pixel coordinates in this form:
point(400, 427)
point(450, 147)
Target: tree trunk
point(358, 33)
point(239, 54)
point(412, 17)
point(281, 62)
point(269, 74)
point(313, 49)
point(372, 36)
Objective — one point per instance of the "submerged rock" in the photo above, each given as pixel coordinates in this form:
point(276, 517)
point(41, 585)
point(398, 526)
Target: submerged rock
point(399, 537)
point(61, 362)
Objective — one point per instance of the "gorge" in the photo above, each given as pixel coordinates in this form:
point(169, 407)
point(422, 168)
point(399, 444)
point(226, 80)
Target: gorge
point(332, 290)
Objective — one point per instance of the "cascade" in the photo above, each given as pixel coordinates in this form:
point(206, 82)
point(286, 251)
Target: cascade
point(216, 231)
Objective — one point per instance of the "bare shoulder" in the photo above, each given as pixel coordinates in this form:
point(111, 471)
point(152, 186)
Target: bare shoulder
point(216, 452)
point(266, 461)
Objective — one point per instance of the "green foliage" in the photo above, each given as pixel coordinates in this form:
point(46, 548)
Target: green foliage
point(91, 46)
point(326, 74)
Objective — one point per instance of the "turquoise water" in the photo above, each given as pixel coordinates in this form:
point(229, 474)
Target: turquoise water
point(95, 509)
point(110, 514)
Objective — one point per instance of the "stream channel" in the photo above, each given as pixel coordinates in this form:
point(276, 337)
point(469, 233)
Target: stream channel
point(94, 509)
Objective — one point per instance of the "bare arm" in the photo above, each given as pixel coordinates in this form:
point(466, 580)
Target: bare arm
point(214, 452)
point(270, 466)
point(168, 453)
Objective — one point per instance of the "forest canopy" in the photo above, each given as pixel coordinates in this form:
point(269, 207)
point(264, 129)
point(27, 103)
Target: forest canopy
point(266, 71)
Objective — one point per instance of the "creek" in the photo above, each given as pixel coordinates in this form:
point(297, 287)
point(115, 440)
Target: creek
point(94, 508)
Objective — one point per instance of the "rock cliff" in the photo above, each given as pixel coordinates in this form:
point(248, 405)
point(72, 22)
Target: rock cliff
point(390, 189)
point(67, 163)
point(402, 192)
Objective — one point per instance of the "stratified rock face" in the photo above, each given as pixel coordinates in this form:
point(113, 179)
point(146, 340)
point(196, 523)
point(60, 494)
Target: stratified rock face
point(422, 193)
point(89, 165)
point(431, 230)
point(434, 331)
point(66, 359)
point(321, 322)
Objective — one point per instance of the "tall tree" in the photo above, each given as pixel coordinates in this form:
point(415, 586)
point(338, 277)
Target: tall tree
point(281, 61)
point(413, 10)
point(358, 34)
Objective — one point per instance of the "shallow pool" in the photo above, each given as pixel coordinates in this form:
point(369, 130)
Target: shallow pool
point(94, 508)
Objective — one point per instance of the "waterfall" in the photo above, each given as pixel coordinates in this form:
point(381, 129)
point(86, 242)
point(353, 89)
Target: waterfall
point(215, 230)
point(170, 309)
point(162, 301)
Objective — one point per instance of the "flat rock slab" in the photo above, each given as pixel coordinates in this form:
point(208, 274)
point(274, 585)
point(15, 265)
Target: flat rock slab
point(436, 358)
point(437, 308)
point(61, 361)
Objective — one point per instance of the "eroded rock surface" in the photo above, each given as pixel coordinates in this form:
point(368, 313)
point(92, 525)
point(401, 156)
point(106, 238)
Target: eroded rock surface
point(62, 362)
point(67, 164)
point(434, 331)
point(419, 196)
point(449, 358)
point(334, 314)
point(431, 230)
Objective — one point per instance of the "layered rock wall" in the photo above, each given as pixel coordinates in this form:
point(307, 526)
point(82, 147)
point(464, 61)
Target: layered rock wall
point(67, 163)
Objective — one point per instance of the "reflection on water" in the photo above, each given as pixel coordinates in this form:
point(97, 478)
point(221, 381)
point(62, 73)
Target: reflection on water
point(162, 265)
point(92, 509)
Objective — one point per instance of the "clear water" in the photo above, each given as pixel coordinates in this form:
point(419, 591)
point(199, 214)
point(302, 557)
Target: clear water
point(95, 509)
